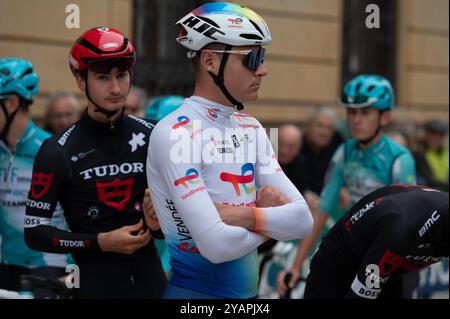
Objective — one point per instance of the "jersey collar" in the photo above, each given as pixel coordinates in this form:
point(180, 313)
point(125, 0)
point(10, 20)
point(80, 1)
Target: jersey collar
point(26, 136)
point(212, 111)
point(97, 126)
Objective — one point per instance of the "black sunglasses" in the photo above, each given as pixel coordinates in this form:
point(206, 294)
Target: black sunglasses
point(253, 58)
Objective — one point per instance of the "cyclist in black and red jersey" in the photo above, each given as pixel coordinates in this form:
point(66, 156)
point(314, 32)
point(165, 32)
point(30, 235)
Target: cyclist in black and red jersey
point(96, 169)
point(388, 233)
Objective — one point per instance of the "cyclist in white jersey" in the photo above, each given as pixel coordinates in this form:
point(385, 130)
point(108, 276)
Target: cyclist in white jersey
point(206, 160)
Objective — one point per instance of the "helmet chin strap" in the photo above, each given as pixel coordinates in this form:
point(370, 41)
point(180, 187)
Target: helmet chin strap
point(100, 109)
point(369, 140)
point(9, 118)
point(219, 80)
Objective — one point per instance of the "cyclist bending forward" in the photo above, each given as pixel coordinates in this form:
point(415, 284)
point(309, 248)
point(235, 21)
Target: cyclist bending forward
point(388, 233)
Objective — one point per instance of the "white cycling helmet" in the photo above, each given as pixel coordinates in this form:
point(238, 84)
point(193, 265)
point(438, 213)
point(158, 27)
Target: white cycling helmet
point(222, 22)
point(229, 24)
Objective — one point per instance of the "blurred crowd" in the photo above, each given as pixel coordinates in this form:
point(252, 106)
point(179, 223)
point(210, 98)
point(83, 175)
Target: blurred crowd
point(304, 150)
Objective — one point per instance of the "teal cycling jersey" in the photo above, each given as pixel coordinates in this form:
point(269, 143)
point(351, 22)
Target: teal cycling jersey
point(15, 178)
point(362, 171)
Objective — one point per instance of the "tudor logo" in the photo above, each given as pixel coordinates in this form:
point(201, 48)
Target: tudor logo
point(112, 170)
point(115, 194)
point(40, 184)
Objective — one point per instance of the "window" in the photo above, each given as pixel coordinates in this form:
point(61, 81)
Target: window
point(162, 66)
point(368, 50)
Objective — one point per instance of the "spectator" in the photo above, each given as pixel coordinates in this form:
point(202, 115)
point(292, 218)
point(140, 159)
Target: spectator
point(432, 159)
point(136, 102)
point(62, 111)
point(289, 145)
point(319, 143)
point(398, 138)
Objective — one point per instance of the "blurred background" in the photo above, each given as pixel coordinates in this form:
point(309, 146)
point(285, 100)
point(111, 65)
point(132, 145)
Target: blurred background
point(317, 46)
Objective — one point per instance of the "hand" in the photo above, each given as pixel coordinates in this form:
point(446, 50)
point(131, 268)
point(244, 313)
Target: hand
point(122, 241)
point(269, 196)
point(149, 212)
point(281, 286)
point(311, 199)
point(236, 216)
point(344, 198)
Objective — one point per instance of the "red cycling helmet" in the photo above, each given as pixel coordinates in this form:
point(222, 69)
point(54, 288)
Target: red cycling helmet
point(99, 44)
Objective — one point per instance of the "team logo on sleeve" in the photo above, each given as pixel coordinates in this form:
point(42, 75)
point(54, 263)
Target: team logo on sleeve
point(182, 121)
point(245, 179)
point(40, 183)
point(190, 178)
point(58, 242)
point(191, 182)
point(115, 194)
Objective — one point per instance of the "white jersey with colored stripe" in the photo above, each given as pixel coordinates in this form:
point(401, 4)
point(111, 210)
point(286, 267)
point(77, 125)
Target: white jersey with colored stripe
point(205, 153)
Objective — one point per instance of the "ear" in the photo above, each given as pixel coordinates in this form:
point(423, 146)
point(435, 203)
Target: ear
point(12, 103)
point(81, 82)
point(385, 118)
point(209, 61)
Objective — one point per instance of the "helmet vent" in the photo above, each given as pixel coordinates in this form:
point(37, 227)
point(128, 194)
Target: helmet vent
point(182, 31)
point(28, 71)
point(257, 27)
point(124, 45)
point(5, 71)
point(250, 36)
point(370, 88)
point(90, 46)
point(211, 22)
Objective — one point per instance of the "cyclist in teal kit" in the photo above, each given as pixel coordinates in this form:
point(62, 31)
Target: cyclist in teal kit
point(20, 141)
point(364, 163)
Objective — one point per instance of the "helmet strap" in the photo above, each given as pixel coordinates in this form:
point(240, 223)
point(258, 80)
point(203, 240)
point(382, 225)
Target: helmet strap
point(219, 80)
point(9, 119)
point(369, 140)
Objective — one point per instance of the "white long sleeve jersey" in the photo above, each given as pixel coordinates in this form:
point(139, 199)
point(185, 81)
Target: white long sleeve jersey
point(205, 153)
